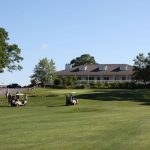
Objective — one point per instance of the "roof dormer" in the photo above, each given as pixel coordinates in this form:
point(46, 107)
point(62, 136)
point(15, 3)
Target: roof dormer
point(83, 68)
point(123, 67)
point(103, 68)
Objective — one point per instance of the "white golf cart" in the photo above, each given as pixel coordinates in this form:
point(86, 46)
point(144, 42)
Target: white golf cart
point(70, 99)
point(15, 100)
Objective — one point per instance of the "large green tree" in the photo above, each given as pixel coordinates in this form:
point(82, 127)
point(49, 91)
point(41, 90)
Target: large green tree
point(141, 68)
point(9, 54)
point(83, 59)
point(44, 72)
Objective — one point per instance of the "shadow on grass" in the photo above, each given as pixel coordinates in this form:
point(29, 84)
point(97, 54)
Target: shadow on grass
point(122, 95)
point(52, 95)
point(146, 103)
point(4, 106)
point(56, 105)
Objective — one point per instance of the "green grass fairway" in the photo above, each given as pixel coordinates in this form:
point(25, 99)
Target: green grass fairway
point(103, 120)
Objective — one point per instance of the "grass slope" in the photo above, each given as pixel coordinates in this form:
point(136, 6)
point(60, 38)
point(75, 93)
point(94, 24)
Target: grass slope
point(103, 120)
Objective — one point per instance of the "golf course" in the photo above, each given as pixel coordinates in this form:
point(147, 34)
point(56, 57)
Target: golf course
point(104, 119)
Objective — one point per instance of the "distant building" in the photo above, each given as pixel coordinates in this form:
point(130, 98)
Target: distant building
point(99, 72)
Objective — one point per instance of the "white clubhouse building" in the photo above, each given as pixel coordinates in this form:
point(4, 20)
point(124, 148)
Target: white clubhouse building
point(99, 72)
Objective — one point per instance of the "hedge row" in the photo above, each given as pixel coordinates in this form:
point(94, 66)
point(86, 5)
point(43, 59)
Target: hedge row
point(104, 85)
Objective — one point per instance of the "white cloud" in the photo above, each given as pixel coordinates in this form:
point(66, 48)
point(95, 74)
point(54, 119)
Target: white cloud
point(44, 46)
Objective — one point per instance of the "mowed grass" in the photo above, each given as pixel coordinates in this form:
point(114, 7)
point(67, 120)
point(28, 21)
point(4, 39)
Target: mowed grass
point(103, 120)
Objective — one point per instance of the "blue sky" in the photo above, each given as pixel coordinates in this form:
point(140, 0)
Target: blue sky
point(113, 31)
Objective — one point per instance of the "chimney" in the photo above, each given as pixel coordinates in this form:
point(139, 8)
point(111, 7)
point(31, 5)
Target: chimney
point(68, 66)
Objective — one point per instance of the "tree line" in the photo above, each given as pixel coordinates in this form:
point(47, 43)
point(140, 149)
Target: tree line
point(44, 71)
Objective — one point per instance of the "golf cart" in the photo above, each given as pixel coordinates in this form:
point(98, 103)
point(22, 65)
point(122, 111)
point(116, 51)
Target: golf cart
point(15, 100)
point(70, 99)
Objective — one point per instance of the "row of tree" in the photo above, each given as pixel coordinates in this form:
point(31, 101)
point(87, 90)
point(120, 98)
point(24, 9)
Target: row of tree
point(44, 71)
point(141, 68)
point(9, 53)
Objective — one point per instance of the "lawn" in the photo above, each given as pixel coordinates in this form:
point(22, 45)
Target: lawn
point(103, 120)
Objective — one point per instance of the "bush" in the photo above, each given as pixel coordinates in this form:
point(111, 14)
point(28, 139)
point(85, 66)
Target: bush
point(58, 81)
point(61, 87)
point(85, 84)
point(66, 81)
point(72, 82)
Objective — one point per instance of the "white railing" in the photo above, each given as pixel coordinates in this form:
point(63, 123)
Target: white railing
point(109, 81)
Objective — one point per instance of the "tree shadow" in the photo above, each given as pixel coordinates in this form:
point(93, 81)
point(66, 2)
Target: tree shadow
point(146, 104)
point(51, 95)
point(4, 106)
point(56, 105)
point(118, 95)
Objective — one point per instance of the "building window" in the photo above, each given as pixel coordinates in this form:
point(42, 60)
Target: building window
point(106, 78)
point(98, 78)
point(87, 78)
point(91, 78)
point(117, 77)
point(123, 78)
point(79, 78)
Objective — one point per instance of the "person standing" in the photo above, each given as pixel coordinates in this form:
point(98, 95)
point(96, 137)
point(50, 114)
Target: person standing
point(7, 93)
point(9, 99)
